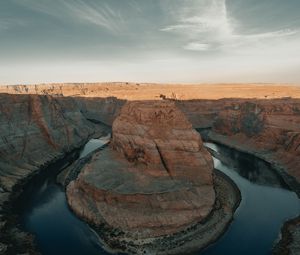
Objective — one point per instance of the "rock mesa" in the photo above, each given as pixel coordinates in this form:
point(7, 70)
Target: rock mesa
point(155, 179)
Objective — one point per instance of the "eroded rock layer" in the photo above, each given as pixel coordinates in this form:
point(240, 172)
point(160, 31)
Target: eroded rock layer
point(35, 131)
point(156, 179)
point(158, 135)
point(268, 129)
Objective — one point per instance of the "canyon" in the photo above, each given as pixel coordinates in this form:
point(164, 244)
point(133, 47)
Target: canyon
point(40, 124)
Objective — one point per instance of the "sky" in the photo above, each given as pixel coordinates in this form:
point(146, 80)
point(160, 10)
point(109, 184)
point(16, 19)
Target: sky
point(172, 41)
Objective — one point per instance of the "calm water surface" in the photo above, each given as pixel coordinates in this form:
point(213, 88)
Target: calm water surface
point(266, 204)
point(45, 213)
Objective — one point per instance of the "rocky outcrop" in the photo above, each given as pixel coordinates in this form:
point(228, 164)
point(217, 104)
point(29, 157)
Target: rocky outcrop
point(202, 113)
point(158, 135)
point(155, 180)
point(99, 110)
point(269, 129)
point(290, 241)
point(34, 131)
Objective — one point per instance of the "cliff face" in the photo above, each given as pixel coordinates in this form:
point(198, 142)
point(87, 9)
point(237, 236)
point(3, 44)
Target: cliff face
point(202, 113)
point(269, 128)
point(36, 130)
point(156, 179)
point(99, 110)
point(158, 134)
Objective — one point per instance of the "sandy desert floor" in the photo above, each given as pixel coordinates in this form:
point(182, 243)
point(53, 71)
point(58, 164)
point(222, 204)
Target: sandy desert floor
point(143, 91)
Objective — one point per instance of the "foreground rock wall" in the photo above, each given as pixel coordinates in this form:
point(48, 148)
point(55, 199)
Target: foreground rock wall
point(34, 131)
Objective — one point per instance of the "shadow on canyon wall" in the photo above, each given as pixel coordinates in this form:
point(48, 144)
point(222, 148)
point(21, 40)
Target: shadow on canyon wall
point(39, 129)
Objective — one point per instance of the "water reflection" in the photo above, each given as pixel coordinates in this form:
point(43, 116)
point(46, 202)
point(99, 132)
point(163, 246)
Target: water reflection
point(45, 213)
point(266, 204)
point(248, 166)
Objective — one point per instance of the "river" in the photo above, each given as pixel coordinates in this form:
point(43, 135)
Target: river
point(266, 204)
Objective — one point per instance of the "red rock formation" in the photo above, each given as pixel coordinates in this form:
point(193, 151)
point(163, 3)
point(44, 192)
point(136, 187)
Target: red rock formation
point(267, 128)
point(37, 129)
point(157, 181)
point(159, 135)
point(202, 113)
point(34, 131)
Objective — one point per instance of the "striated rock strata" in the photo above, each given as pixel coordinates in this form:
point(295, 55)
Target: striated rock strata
point(159, 136)
point(35, 131)
point(155, 180)
point(267, 129)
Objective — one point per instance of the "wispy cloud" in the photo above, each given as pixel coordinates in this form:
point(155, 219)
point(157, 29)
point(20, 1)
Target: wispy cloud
point(101, 15)
point(7, 23)
point(202, 16)
point(206, 25)
point(166, 40)
point(97, 13)
point(197, 46)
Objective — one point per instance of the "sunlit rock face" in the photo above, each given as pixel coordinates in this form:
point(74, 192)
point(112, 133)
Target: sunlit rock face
point(158, 135)
point(155, 179)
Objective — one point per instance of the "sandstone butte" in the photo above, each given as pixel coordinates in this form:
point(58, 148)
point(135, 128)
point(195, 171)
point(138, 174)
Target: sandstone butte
point(155, 179)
